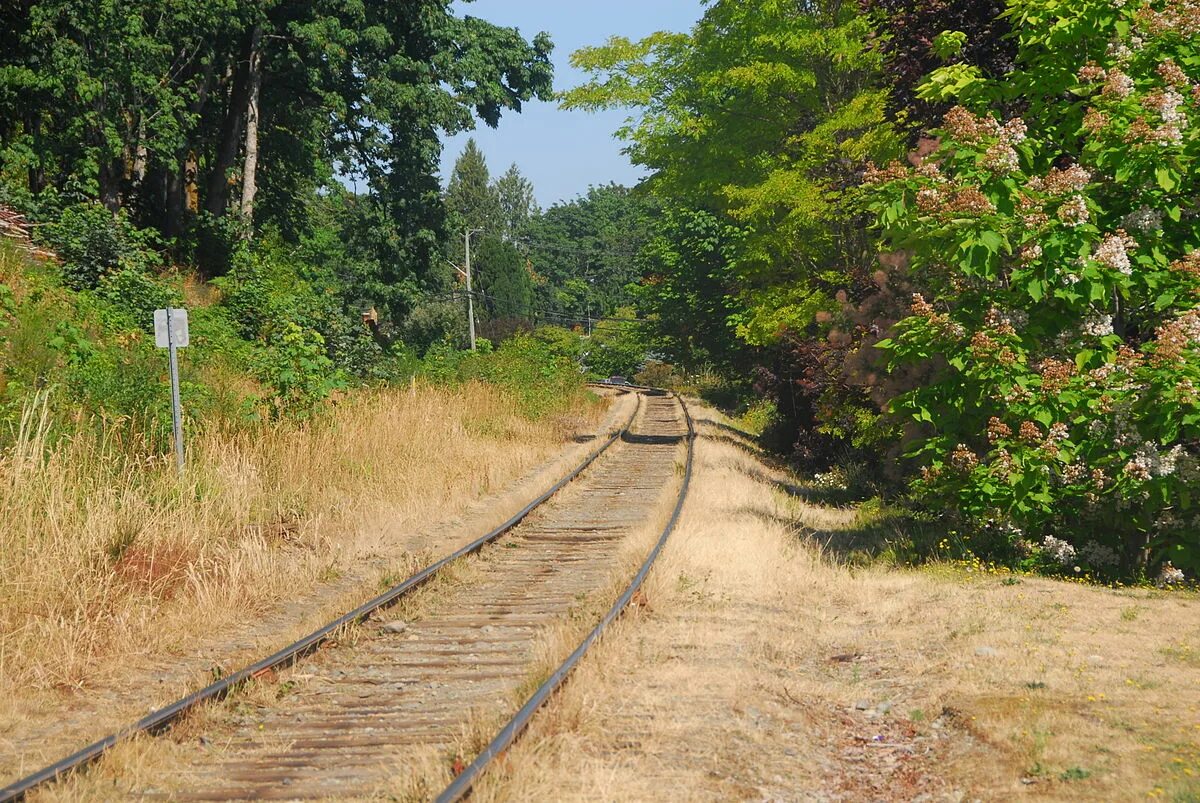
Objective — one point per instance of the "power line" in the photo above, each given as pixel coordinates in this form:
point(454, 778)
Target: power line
point(561, 315)
point(597, 251)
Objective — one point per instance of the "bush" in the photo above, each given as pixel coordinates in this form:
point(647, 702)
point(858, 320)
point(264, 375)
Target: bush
point(616, 349)
point(296, 368)
point(137, 295)
point(540, 381)
point(561, 342)
point(435, 322)
point(1059, 263)
point(93, 242)
point(657, 374)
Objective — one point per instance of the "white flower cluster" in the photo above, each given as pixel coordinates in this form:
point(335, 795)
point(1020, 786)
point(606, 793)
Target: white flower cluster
point(1059, 549)
point(1098, 555)
point(832, 480)
point(1098, 326)
point(1169, 575)
point(1143, 219)
point(1112, 253)
point(1074, 211)
point(1001, 158)
point(1167, 105)
point(1118, 84)
point(1149, 462)
point(1119, 427)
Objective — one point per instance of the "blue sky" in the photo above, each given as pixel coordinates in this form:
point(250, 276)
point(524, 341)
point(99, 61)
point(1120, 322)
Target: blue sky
point(563, 153)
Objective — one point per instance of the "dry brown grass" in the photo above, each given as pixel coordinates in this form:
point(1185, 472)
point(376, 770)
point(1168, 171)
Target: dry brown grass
point(761, 668)
point(106, 559)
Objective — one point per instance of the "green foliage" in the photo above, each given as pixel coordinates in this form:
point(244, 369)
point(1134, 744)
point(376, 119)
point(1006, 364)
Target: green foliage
point(143, 106)
point(93, 243)
point(754, 125)
point(657, 374)
point(562, 343)
point(137, 295)
point(616, 349)
point(294, 365)
point(471, 199)
point(436, 322)
point(541, 380)
point(502, 281)
point(514, 194)
point(949, 44)
point(1057, 258)
point(761, 114)
point(584, 252)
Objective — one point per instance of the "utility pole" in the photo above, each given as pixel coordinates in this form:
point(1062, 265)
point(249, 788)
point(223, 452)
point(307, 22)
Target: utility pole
point(470, 294)
point(587, 277)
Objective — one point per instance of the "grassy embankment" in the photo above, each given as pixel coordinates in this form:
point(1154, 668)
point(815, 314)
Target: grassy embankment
point(105, 555)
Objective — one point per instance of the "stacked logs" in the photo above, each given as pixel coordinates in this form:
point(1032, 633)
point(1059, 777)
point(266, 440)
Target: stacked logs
point(17, 229)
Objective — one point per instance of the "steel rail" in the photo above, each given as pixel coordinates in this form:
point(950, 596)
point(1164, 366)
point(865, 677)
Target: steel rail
point(460, 787)
point(160, 720)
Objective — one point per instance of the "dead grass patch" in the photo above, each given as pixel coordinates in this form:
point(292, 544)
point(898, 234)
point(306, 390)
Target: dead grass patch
point(107, 560)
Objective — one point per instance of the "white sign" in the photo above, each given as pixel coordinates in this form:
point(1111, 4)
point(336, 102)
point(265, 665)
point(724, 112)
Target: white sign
point(178, 335)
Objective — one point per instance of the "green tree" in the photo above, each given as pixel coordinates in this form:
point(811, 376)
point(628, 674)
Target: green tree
point(762, 114)
point(585, 251)
point(514, 196)
point(503, 284)
point(754, 125)
point(212, 116)
point(471, 199)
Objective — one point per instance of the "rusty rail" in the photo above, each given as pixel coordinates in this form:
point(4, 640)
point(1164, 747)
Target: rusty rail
point(160, 720)
point(460, 787)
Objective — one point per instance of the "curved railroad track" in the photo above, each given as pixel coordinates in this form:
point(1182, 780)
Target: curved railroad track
point(394, 697)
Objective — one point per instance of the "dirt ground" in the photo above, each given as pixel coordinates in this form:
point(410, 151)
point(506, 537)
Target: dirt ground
point(761, 668)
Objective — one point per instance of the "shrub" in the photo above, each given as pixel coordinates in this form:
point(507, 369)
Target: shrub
point(657, 374)
point(540, 381)
point(93, 242)
point(137, 295)
point(294, 365)
point(435, 322)
point(561, 342)
point(1058, 261)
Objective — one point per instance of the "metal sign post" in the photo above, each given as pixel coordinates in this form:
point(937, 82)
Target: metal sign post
point(171, 333)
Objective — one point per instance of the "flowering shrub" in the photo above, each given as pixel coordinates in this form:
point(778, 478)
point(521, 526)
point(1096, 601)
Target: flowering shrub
point(1058, 258)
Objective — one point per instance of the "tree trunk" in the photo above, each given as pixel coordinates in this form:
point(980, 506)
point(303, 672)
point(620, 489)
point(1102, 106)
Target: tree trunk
point(216, 199)
point(250, 168)
point(173, 196)
point(37, 173)
point(140, 155)
point(112, 171)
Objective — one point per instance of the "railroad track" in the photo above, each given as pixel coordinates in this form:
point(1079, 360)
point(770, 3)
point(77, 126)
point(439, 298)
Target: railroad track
point(355, 720)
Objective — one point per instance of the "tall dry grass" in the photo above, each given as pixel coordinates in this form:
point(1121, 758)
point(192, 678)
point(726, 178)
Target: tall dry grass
point(105, 553)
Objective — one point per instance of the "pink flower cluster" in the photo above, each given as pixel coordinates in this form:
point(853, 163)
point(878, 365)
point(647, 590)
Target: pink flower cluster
point(1180, 17)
